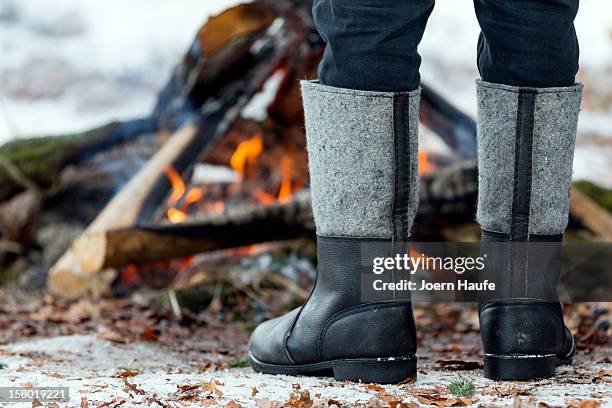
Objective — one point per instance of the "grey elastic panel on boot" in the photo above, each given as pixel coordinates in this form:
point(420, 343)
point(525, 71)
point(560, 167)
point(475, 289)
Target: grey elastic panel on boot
point(509, 119)
point(351, 138)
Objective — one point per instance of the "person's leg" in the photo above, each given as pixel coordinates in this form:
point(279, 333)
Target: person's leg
point(361, 122)
point(528, 105)
point(371, 44)
point(528, 43)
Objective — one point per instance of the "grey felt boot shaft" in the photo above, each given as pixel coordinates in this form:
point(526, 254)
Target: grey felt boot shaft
point(362, 150)
point(526, 140)
point(363, 158)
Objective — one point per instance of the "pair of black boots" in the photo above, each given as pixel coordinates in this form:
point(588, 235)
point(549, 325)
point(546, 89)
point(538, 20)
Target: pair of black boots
point(363, 155)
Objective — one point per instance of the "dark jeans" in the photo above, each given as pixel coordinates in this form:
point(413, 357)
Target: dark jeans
point(372, 44)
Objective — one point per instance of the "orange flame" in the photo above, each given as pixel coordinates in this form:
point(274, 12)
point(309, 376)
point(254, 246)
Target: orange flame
point(193, 196)
point(264, 197)
point(216, 206)
point(178, 186)
point(246, 152)
point(425, 165)
point(284, 193)
point(176, 216)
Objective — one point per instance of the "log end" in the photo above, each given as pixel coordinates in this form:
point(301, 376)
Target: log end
point(68, 279)
point(89, 251)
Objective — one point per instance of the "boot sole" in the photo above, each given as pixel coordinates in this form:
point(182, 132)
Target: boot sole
point(521, 367)
point(390, 370)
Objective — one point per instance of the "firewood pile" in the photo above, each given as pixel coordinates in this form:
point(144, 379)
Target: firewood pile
point(218, 169)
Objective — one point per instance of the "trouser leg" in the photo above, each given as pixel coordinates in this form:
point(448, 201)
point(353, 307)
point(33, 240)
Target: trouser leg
point(371, 45)
point(528, 43)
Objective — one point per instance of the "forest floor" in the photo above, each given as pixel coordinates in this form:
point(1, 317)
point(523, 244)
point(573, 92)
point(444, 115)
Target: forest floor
point(115, 353)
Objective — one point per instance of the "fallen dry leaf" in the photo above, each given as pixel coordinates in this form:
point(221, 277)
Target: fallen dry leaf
point(511, 391)
point(377, 388)
point(129, 387)
point(398, 403)
point(299, 400)
point(127, 373)
point(590, 404)
point(584, 404)
point(212, 387)
point(113, 337)
point(440, 400)
point(150, 334)
point(115, 402)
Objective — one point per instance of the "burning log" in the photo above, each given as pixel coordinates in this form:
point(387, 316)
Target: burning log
point(236, 228)
point(448, 195)
point(214, 268)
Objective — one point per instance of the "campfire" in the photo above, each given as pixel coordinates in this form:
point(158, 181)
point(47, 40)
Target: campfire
point(254, 173)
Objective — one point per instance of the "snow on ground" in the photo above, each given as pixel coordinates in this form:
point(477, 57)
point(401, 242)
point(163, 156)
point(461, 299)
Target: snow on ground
point(156, 374)
point(69, 65)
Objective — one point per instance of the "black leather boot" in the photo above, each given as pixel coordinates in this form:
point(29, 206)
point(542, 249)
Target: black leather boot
point(363, 165)
point(526, 140)
point(335, 332)
point(521, 325)
point(523, 339)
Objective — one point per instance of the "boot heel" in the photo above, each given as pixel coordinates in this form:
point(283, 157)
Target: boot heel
point(376, 370)
point(519, 367)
